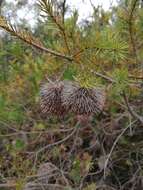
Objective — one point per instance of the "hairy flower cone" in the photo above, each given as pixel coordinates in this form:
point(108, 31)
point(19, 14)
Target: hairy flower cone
point(51, 98)
point(83, 101)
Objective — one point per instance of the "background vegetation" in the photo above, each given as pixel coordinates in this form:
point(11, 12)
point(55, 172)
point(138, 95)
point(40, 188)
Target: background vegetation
point(105, 51)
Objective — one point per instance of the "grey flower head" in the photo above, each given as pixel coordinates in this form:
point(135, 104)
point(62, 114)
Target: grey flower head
point(50, 98)
point(81, 100)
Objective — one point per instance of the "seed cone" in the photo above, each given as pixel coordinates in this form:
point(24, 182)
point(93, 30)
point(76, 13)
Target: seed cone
point(83, 101)
point(51, 98)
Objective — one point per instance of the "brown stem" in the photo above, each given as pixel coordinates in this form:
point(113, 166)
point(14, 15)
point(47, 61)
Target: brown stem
point(61, 28)
point(37, 45)
point(131, 111)
point(131, 30)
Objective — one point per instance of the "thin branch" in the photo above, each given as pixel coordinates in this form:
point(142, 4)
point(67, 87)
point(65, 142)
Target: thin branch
point(131, 111)
point(63, 28)
point(104, 77)
point(114, 145)
point(58, 142)
point(92, 5)
point(131, 32)
point(63, 10)
point(36, 132)
point(55, 144)
point(95, 48)
point(8, 185)
point(136, 77)
point(48, 7)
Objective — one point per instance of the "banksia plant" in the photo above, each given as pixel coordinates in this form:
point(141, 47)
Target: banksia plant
point(50, 98)
point(81, 100)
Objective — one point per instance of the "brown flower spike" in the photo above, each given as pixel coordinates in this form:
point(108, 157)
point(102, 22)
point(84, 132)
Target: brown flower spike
point(83, 101)
point(50, 98)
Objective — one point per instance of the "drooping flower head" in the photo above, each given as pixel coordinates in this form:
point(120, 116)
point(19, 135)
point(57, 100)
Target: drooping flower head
point(83, 101)
point(50, 98)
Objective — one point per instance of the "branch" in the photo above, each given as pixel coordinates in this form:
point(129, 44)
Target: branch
point(131, 29)
point(136, 77)
point(113, 147)
point(58, 142)
point(31, 185)
point(63, 11)
point(63, 28)
point(7, 185)
point(51, 9)
point(104, 77)
point(131, 111)
point(29, 39)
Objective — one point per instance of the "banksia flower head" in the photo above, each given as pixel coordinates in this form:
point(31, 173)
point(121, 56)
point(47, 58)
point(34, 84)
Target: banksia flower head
point(50, 99)
point(81, 100)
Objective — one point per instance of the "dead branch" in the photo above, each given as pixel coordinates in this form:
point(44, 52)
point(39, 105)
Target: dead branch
point(114, 145)
point(131, 111)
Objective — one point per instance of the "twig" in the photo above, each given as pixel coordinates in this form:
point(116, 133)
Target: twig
point(60, 26)
point(63, 10)
point(56, 143)
point(8, 185)
point(92, 5)
point(63, 31)
point(136, 77)
point(47, 185)
point(131, 111)
point(3, 124)
point(104, 77)
point(131, 29)
point(114, 144)
point(37, 132)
